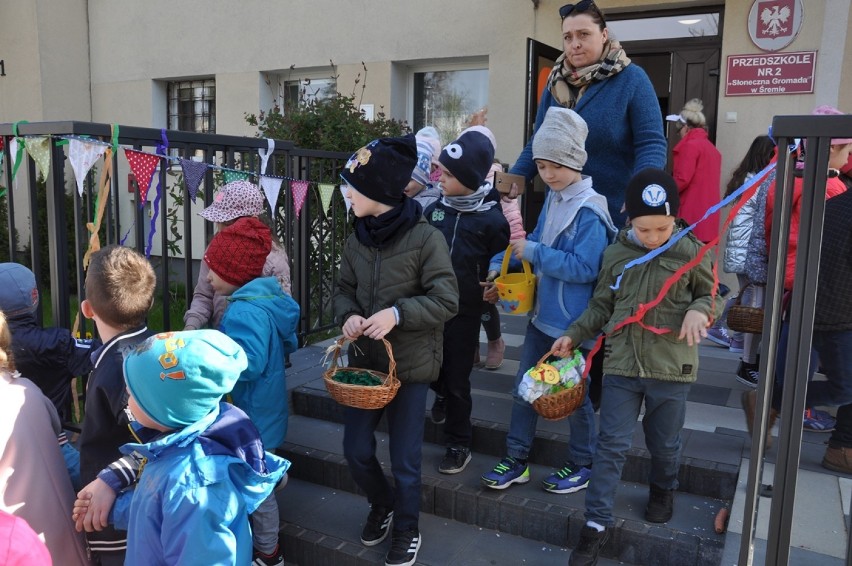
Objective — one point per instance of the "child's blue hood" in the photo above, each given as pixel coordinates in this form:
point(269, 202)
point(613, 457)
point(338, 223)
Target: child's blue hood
point(266, 293)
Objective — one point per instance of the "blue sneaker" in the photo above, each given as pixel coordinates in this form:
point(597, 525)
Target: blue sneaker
point(818, 421)
point(505, 473)
point(567, 480)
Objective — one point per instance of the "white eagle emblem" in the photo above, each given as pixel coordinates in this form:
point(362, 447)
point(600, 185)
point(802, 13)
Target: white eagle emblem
point(774, 19)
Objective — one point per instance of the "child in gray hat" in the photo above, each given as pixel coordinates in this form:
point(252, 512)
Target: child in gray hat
point(566, 249)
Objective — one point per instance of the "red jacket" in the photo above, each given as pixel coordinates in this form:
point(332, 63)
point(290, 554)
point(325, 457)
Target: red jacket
point(697, 170)
point(833, 187)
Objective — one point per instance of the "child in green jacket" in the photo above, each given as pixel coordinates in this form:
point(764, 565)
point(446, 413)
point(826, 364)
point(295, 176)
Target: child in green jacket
point(650, 358)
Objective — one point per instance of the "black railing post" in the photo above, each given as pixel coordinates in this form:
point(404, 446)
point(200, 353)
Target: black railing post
point(10, 199)
point(57, 235)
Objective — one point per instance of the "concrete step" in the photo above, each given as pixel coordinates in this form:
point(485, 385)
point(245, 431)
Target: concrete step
point(315, 449)
point(699, 475)
point(322, 527)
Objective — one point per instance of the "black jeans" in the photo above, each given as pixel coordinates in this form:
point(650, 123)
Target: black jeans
point(461, 336)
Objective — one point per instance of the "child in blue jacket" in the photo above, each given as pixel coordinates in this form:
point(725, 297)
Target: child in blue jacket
point(262, 319)
point(206, 468)
point(566, 249)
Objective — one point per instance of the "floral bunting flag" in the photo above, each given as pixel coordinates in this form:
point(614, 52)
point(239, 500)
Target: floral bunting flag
point(39, 149)
point(143, 166)
point(83, 156)
point(231, 176)
point(271, 188)
point(193, 174)
point(326, 190)
point(346, 200)
point(300, 191)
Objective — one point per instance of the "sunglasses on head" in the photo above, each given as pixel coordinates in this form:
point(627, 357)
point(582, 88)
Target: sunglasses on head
point(579, 7)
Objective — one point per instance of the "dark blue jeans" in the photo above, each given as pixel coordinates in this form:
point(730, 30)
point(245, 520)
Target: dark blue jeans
point(581, 445)
point(621, 402)
point(405, 425)
point(833, 351)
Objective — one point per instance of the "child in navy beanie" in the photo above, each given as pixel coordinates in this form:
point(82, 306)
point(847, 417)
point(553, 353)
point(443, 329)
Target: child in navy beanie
point(471, 219)
point(395, 282)
point(468, 158)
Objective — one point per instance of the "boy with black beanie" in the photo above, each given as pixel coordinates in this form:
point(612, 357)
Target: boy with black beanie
point(471, 219)
point(396, 282)
point(651, 355)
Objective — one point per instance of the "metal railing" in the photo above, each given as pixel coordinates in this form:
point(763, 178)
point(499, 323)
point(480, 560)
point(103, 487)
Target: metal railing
point(313, 241)
point(817, 132)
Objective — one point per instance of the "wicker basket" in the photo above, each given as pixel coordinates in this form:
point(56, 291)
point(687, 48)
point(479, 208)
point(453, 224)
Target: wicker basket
point(361, 396)
point(742, 318)
point(561, 404)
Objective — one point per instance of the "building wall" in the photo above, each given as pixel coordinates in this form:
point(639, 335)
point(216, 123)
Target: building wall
point(110, 60)
point(823, 30)
point(45, 48)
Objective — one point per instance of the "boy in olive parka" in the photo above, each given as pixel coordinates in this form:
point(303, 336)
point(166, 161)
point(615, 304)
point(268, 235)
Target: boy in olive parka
point(396, 281)
point(653, 360)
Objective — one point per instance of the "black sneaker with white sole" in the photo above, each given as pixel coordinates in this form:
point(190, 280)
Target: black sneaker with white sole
point(404, 548)
point(748, 374)
point(378, 525)
point(455, 460)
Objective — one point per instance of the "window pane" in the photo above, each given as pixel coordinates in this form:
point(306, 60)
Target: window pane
point(192, 106)
point(446, 99)
point(689, 25)
point(304, 91)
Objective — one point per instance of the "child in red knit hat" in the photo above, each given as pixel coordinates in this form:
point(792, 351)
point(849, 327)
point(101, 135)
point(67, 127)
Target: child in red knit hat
point(238, 199)
point(262, 319)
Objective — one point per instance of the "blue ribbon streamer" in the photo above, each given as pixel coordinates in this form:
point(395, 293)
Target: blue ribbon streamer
point(162, 149)
point(710, 211)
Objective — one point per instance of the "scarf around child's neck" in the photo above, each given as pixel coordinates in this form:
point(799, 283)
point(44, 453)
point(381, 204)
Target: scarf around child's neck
point(568, 203)
point(380, 231)
point(473, 202)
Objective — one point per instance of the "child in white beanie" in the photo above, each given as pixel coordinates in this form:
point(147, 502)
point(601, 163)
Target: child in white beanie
point(421, 188)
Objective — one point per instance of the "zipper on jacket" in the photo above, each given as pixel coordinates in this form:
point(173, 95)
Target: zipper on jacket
point(373, 298)
point(455, 229)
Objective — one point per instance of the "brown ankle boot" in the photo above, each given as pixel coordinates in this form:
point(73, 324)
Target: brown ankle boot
point(494, 358)
point(749, 400)
point(838, 459)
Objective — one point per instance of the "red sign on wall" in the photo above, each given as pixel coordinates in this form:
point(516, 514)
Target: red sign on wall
point(772, 73)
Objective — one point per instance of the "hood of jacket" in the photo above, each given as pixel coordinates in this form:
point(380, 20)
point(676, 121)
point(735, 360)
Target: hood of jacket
point(265, 293)
point(226, 431)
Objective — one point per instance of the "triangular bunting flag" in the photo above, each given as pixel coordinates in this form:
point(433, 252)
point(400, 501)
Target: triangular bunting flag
point(15, 151)
point(193, 174)
point(300, 191)
point(39, 149)
point(143, 166)
point(231, 176)
point(83, 156)
point(265, 154)
point(326, 191)
point(346, 200)
point(271, 188)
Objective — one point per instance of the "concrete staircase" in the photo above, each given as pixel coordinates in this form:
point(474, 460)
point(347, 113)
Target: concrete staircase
point(463, 522)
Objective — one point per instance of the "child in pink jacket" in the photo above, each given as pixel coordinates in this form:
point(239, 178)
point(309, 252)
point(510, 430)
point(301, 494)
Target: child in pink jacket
point(233, 201)
point(490, 314)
